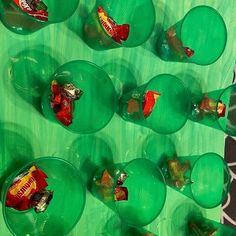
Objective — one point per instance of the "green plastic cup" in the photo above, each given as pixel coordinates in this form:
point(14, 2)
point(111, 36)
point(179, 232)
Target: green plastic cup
point(207, 109)
point(140, 15)
point(146, 190)
point(65, 208)
point(16, 20)
point(188, 220)
point(171, 109)
point(202, 30)
point(195, 177)
point(96, 106)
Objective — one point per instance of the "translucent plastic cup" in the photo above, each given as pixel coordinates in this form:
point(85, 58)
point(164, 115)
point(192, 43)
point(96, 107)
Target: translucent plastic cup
point(139, 15)
point(171, 109)
point(189, 220)
point(98, 102)
point(216, 109)
point(16, 20)
point(146, 191)
point(200, 38)
point(65, 208)
point(205, 178)
point(198, 225)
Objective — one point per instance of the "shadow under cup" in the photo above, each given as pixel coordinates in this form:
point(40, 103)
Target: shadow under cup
point(98, 102)
point(200, 37)
point(140, 15)
point(18, 21)
point(205, 178)
point(65, 208)
point(145, 186)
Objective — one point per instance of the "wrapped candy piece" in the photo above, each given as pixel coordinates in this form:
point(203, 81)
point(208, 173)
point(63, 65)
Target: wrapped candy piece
point(62, 99)
point(121, 193)
point(202, 229)
point(35, 8)
point(41, 200)
point(210, 106)
point(176, 44)
point(149, 102)
point(24, 187)
point(118, 32)
point(123, 176)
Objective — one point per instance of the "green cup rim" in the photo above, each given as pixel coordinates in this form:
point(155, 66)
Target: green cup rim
point(40, 21)
point(123, 45)
point(220, 17)
point(9, 179)
point(228, 184)
point(165, 193)
point(100, 69)
point(187, 91)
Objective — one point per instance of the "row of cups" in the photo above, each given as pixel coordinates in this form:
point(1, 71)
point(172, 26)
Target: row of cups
point(146, 181)
point(177, 43)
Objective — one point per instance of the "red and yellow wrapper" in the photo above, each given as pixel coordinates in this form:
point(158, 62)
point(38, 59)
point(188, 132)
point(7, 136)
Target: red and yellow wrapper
point(117, 32)
point(39, 14)
point(24, 187)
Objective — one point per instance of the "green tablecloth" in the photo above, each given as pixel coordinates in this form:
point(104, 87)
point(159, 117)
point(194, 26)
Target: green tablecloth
point(26, 134)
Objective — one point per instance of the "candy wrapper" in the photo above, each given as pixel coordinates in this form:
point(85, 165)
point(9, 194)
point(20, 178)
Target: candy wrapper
point(28, 191)
point(62, 100)
point(202, 229)
point(149, 101)
point(111, 190)
point(177, 46)
point(117, 32)
point(35, 8)
point(174, 173)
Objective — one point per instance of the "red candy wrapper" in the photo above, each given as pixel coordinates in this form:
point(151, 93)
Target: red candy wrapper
point(121, 193)
point(117, 32)
point(62, 101)
point(24, 187)
point(149, 102)
point(35, 8)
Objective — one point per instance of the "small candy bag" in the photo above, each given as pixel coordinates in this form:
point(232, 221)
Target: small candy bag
point(28, 190)
point(35, 8)
point(117, 32)
point(62, 99)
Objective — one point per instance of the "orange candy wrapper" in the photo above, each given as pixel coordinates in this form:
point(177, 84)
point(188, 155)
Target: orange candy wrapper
point(118, 32)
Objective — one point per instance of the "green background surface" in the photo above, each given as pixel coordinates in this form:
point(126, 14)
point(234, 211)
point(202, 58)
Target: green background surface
point(26, 134)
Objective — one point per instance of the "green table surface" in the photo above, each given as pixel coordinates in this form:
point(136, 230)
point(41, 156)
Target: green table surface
point(26, 134)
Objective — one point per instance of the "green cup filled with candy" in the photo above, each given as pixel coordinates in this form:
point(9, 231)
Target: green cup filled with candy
point(45, 197)
point(113, 24)
point(80, 97)
point(27, 16)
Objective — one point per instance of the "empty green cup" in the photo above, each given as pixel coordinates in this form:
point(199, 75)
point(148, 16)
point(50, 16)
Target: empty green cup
point(200, 37)
point(145, 186)
point(195, 177)
point(98, 102)
point(65, 208)
point(171, 108)
point(216, 109)
point(18, 21)
point(139, 15)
